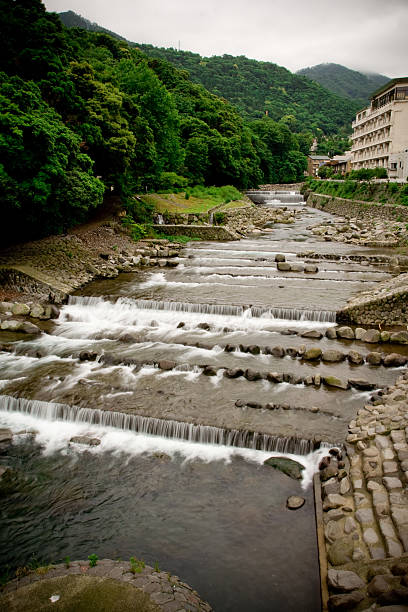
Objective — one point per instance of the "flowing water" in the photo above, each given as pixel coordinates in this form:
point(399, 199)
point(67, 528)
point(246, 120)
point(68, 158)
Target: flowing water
point(178, 477)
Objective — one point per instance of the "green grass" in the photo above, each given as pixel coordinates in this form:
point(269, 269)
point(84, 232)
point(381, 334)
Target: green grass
point(195, 199)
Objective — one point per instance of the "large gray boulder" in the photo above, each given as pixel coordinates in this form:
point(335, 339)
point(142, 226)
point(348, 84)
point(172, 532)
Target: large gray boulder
point(372, 336)
point(395, 360)
point(343, 580)
point(333, 356)
point(287, 466)
point(400, 337)
point(345, 332)
point(283, 266)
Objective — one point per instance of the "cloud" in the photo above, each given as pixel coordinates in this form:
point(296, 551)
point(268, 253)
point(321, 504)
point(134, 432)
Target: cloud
point(361, 34)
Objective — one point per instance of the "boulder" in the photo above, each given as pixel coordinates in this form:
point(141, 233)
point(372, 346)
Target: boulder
point(240, 403)
point(392, 360)
point(279, 257)
point(342, 580)
point(166, 364)
point(355, 357)
point(359, 333)
point(205, 326)
point(374, 358)
point(253, 349)
point(332, 356)
point(283, 266)
point(252, 375)
point(274, 377)
point(292, 351)
point(296, 267)
point(229, 348)
point(181, 324)
point(210, 371)
point(233, 372)
point(20, 309)
point(88, 440)
point(312, 333)
point(333, 381)
point(295, 502)
point(30, 328)
point(341, 552)
point(362, 385)
point(311, 269)
point(381, 584)
point(6, 436)
point(6, 307)
point(87, 356)
point(278, 351)
point(312, 354)
point(400, 337)
point(11, 325)
point(36, 311)
point(372, 336)
point(345, 601)
point(51, 311)
point(385, 336)
point(345, 332)
point(331, 333)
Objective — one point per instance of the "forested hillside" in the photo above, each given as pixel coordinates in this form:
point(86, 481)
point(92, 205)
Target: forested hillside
point(345, 82)
point(84, 115)
point(256, 87)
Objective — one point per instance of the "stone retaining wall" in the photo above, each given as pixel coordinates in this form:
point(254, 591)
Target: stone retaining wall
point(356, 208)
point(203, 232)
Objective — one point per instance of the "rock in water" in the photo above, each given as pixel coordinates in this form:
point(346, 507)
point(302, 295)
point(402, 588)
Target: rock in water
point(87, 440)
point(294, 502)
point(291, 468)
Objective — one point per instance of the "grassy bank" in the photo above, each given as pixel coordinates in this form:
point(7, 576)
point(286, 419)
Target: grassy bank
point(194, 200)
point(382, 193)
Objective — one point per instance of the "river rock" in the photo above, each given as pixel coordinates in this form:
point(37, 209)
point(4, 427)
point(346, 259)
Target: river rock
point(253, 349)
point(392, 360)
point(283, 266)
point(374, 358)
point(279, 257)
point(20, 309)
point(372, 336)
point(362, 385)
point(233, 372)
point(287, 466)
point(400, 337)
point(292, 351)
point(312, 333)
point(210, 370)
point(87, 356)
point(312, 354)
point(205, 326)
point(333, 356)
point(274, 377)
point(295, 267)
point(294, 502)
point(88, 440)
point(331, 333)
point(252, 375)
point(311, 269)
point(6, 436)
point(342, 580)
point(345, 332)
point(333, 381)
point(11, 325)
point(345, 601)
point(30, 328)
point(51, 311)
point(382, 584)
point(5, 307)
point(355, 357)
point(229, 348)
point(341, 552)
point(166, 364)
point(359, 333)
point(36, 311)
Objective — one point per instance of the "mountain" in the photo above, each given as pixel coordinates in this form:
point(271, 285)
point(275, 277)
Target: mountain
point(72, 20)
point(256, 88)
point(344, 81)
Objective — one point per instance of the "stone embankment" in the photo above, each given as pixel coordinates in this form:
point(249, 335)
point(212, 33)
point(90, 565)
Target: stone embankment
point(365, 507)
point(69, 584)
point(357, 208)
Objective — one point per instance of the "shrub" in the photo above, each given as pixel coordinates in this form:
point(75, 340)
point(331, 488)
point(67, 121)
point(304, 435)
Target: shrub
point(93, 560)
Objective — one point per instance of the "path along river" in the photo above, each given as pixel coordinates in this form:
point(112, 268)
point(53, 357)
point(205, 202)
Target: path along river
point(194, 496)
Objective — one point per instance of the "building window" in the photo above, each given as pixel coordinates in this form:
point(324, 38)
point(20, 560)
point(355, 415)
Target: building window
point(393, 166)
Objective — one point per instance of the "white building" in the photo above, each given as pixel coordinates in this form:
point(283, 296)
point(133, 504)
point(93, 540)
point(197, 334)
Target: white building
point(380, 131)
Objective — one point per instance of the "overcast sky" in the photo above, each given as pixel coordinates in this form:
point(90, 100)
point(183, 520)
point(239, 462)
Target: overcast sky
point(368, 35)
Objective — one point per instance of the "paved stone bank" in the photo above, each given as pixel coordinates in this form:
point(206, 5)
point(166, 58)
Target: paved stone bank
point(365, 507)
point(357, 208)
point(167, 592)
point(203, 232)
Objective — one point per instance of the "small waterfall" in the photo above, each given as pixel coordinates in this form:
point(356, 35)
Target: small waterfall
point(292, 314)
point(211, 218)
point(178, 430)
point(160, 220)
point(259, 196)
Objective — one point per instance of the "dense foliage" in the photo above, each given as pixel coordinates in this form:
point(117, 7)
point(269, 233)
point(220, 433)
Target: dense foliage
point(84, 115)
point(383, 193)
point(345, 82)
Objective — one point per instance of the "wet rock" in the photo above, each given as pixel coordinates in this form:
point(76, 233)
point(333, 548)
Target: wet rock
point(254, 350)
point(342, 580)
point(233, 373)
point(255, 405)
point(205, 326)
point(395, 360)
point(278, 351)
point(334, 500)
point(381, 584)
point(312, 354)
point(181, 324)
point(317, 379)
point(30, 328)
point(166, 364)
point(400, 568)
point(87, 356)
point(362, 385)
point(252, 375)
point(279, 257)
point(11, 325)
point(311, 269)
point(301, 350)
point(51, 311)
point(291, 468)
point(385, 336)
point(331, 333)
point(274, 377)
point(20, 309)
point(87, 440)
point(331, 486)
point(291, 351)
point(6, 436)
point(312, 333)
point(210, 371)
point(394, 597)
point(295, 267)
point(400, 337)
point(355, 357)
point(283, 266)
point(333, 356)
point(372, 336)
point(36, 311)
point(341, 552)
point(346, 601)
point(374, 358)
point(359, 333)
point(333, 381)
point(294, 502)
point(345, 332)
point(5, 307)
point(229, 348)
point(240, 403)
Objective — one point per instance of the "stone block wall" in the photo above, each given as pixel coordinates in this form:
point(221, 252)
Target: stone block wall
point(357, 208)
point(203, 232)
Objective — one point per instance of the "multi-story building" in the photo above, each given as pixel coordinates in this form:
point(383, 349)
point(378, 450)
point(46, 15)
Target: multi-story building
point(314, 162)
point(380, 131)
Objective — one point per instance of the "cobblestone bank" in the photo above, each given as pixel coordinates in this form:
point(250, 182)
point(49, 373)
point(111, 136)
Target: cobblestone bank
point(357, 208)
point(168, 592)
point(365, 507)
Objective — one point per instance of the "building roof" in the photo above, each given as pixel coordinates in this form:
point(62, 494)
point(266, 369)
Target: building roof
point(318, 157)
point(388, 85)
